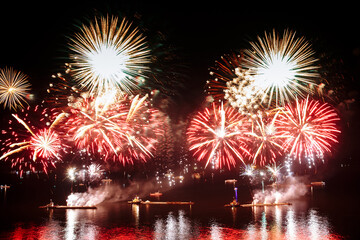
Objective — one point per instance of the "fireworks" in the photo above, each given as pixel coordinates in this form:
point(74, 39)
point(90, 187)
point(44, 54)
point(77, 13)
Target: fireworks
point(109, 55)
point(266, 140)
point(274, 170)
point(248, 170)
point(71, 173)
point(94, 171)
point(234, 84)
point(252, 120)
point(14, 88)
point(243, 93)
point(221, 74)
point(120, 130)
point(283, 67)
point(62, 91)
point(45, 144)
point(311, 127)
point(216, 135)
point(35, 147)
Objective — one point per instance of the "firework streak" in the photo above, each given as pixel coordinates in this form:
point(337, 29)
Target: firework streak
point(216, 136)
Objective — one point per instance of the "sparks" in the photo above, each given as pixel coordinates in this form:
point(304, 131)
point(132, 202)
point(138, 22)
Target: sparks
point(284, 67)
point(14, 88)
point(122, 130)
point(266, 140)
point(221, 74)
point(216, 135)
point(311, 127)
point(108, 55)
point(40, 147)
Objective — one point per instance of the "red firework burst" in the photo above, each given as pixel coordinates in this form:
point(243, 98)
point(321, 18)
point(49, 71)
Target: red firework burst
point(311, 127)
point(121, 131)
point(45, 144)
point(29, 147)
point(266, 141)
point(217, 135)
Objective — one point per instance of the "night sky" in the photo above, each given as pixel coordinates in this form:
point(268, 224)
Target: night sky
point(34, 34)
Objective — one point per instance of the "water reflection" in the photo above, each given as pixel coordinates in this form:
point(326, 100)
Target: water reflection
point(71, 221)
point(295, 225)
point(135, 210)
point(174, 227)
point(80, 225)
point(215, 231)
point(285, 222)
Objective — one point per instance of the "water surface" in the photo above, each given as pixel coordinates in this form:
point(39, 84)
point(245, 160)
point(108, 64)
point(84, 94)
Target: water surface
point(317, 216)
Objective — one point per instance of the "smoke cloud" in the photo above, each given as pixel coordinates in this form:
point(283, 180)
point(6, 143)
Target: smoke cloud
point(293, 188)
point(110, 193)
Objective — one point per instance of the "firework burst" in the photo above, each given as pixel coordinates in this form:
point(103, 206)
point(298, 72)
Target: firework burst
point(248, 170)
point(216, 136)
point(284, 67)
point(243, 93)
point(94, 171)
point(122, 130)
point(266, 140)
point(34, 147)
point(311, 127)
point(14, 88)
point(275, 171)
point(222, 73)
point(45, 144)
point(109, 54)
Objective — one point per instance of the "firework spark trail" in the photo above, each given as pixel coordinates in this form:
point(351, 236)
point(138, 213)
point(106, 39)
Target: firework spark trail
point(221, 74)
point(311, 127)
point(44, 145)
point(248, 170)
point(89, 129)
point(275, 171)
point(62, 90)
point(121, 131)
point(94, 171)
point(14, 88)
point(216, 135)
point(109, 55)
point(243, 93)
point(266, 139)
point(285, 68)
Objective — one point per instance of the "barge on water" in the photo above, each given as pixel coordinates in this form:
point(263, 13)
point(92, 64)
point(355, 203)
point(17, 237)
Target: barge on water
point(138, 201)
point(67, 207)
point(265, 204)
point(169, 203)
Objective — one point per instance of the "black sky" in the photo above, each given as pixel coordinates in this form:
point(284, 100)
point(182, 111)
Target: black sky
point(33, 35)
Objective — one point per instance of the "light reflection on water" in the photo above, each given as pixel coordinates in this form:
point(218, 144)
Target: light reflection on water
point(282, 222)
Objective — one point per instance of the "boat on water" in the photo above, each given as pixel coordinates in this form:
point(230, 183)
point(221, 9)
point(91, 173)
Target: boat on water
point(156, 194)
point(231, 181)
point(168, 203)
point(317, 184)
point(265, 204)
point(233, 204)
point(136, 200)
point(51, 205)
point(67, 207)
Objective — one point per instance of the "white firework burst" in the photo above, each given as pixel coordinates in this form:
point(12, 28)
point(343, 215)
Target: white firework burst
point(14, 88)
point(243, 94)
point(284, 67)
point(109, 54)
